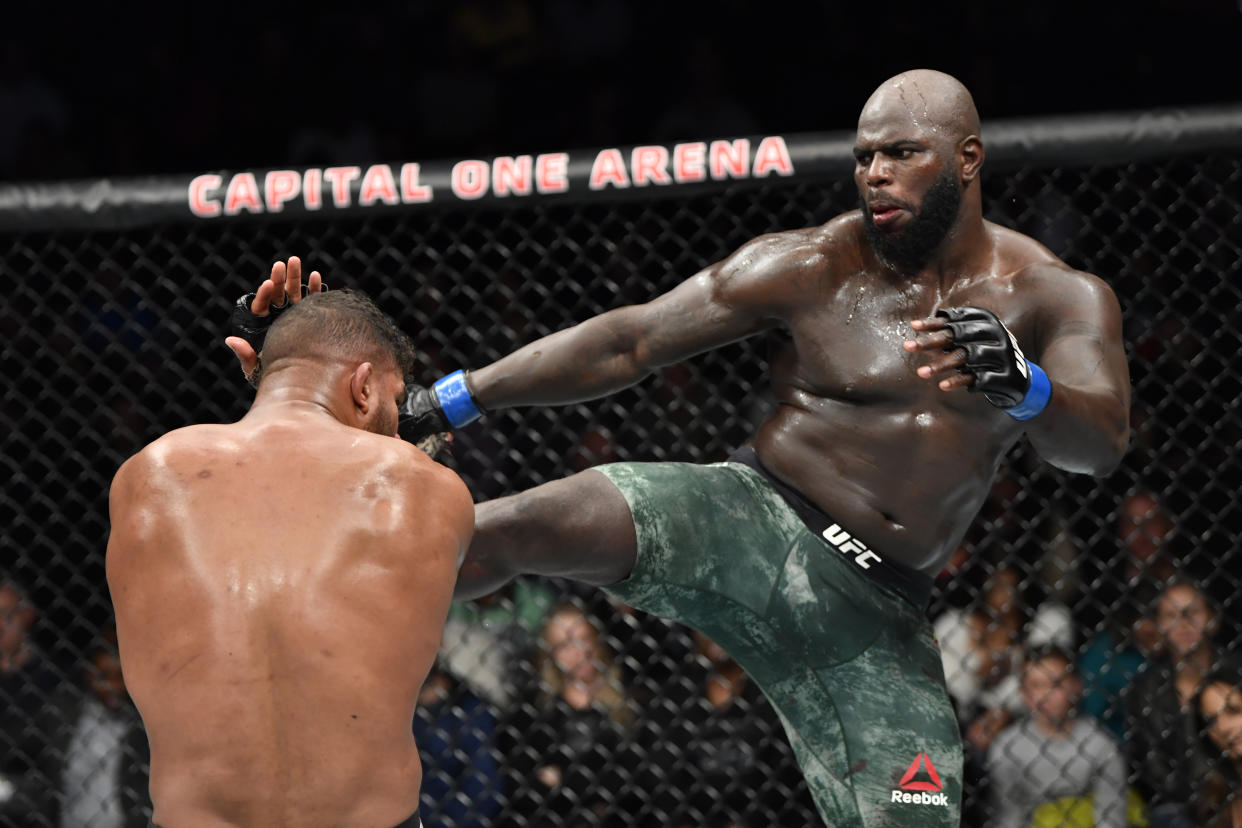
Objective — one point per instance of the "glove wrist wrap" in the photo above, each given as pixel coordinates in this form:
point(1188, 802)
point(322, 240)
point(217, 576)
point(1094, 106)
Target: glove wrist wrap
point(1037, 395)
point(456, 400)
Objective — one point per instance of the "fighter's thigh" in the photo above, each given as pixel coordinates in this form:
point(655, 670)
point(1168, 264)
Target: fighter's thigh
point(902, 736)
point(579, 527)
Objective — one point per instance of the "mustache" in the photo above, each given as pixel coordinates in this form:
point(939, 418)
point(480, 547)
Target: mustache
point(866, 200)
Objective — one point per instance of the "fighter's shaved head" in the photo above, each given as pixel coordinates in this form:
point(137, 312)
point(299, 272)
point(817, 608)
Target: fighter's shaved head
point(929, 100)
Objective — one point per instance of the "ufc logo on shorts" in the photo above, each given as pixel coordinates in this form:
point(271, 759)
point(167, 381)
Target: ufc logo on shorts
point(848, 545)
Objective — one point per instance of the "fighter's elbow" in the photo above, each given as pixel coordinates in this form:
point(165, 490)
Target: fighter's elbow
point(1113, 449)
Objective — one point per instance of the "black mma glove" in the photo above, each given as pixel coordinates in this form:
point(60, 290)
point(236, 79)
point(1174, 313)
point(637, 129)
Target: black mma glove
point(1002, 373)
point(420, 415)
point(446, 405)
point(252, 327)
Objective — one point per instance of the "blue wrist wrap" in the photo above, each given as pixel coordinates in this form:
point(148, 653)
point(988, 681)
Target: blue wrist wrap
point(455, 400)
point(1037, 395)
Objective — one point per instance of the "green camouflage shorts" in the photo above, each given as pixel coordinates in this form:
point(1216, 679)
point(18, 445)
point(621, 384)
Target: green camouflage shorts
point(851, 666)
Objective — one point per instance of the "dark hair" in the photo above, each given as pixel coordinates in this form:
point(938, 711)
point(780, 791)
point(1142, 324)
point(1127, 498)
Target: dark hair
point(1045, 651)
point(336, 324)
point(1221, 777)
point(19, 589)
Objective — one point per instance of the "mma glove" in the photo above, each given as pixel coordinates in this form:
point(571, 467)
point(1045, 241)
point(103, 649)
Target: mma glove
point(252, 327)
point(1002, 373)
point(446, 405)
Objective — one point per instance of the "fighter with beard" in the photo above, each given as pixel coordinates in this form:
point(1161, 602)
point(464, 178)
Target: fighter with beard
point(810, 554)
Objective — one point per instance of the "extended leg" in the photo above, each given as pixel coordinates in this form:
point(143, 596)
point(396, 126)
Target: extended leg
point(579, 528)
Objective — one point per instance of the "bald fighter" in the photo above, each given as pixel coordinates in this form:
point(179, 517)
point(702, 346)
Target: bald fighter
point(810, 554)
point(281, 584)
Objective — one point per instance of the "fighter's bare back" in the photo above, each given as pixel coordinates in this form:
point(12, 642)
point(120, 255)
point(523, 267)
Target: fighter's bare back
point(280, 587)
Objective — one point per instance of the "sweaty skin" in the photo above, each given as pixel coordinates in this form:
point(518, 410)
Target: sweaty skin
point(280, 587)
point(873, 423)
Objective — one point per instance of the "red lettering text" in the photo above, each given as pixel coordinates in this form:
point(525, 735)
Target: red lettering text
point(280, 186)
point(650, 166)
point(552, 172)
point(772, 156)
point(340, 178)
point(608, 168)
point(469, 179)
point(200, 204)
point(243, 194)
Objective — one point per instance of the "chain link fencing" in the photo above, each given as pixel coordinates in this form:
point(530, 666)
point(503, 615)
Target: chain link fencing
point(112, 337)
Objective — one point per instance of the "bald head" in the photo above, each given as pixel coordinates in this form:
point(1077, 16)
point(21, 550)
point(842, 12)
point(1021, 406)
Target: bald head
point(931, 102)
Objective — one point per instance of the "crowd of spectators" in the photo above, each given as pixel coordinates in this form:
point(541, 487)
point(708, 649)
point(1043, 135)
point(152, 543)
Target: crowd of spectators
point(544, 709)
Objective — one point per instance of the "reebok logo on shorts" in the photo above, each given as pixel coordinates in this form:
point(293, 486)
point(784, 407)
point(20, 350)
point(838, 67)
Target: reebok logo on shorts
point(920, 784)
point(848, 545)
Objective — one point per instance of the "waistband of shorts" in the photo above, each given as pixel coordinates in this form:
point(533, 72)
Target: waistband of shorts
point(912, 584)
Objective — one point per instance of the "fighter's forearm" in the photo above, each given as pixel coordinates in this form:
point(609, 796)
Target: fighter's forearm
point(590, 360)
point(1082, 430)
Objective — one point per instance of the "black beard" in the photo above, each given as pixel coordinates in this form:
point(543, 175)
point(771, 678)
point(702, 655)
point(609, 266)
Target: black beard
point(912, 247)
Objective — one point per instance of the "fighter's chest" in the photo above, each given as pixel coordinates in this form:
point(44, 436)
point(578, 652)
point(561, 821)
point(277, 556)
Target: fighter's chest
point(853, 345)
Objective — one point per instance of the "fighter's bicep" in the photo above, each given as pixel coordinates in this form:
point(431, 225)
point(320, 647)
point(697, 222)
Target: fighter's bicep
point(746, 293)
point(1083, 342)
point(688, 320)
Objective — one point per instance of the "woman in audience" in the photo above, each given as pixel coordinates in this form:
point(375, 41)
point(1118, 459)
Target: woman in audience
point(1218, 712)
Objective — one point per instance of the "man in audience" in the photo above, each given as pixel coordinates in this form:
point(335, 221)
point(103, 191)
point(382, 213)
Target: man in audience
point(98, 757)
point(26, 681)
point(1053, 767)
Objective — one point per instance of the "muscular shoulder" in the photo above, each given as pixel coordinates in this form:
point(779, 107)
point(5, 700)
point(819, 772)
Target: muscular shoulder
point(1033, 268)
point(166, 454)
point(433, 486)
point(1057, 282)
point(787, 263)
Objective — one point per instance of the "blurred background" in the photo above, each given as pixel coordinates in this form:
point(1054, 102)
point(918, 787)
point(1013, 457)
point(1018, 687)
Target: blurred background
point(111, 337)
point(145, 87)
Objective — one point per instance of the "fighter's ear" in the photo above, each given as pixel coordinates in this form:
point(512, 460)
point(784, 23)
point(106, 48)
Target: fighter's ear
point(970, 158)
point(362, 386)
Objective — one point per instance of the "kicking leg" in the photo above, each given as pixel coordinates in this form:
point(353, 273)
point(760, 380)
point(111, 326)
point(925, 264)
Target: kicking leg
point(578, 528)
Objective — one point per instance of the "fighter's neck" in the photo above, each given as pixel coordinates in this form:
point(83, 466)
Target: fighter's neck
point(292, 398)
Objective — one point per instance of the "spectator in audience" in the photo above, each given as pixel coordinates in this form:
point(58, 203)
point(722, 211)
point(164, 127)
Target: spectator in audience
point(1126, 636)
point(572, 762)
point(27, 681)
point(99, 756)
point(981, 647)
point(455, 731)
point(1218, 717)
point(1160, 726)
point(725, 759)
point(488, 642)
point(1053, 767)
point(1115, 655)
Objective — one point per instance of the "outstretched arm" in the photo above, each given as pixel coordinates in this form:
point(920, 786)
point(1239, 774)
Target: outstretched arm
point(745, 293)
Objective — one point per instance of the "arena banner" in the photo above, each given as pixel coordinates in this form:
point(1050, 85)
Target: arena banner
point(608, 172)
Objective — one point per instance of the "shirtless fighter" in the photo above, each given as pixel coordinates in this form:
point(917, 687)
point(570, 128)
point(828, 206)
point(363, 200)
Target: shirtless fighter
point(810, 554)
point(281, 584)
